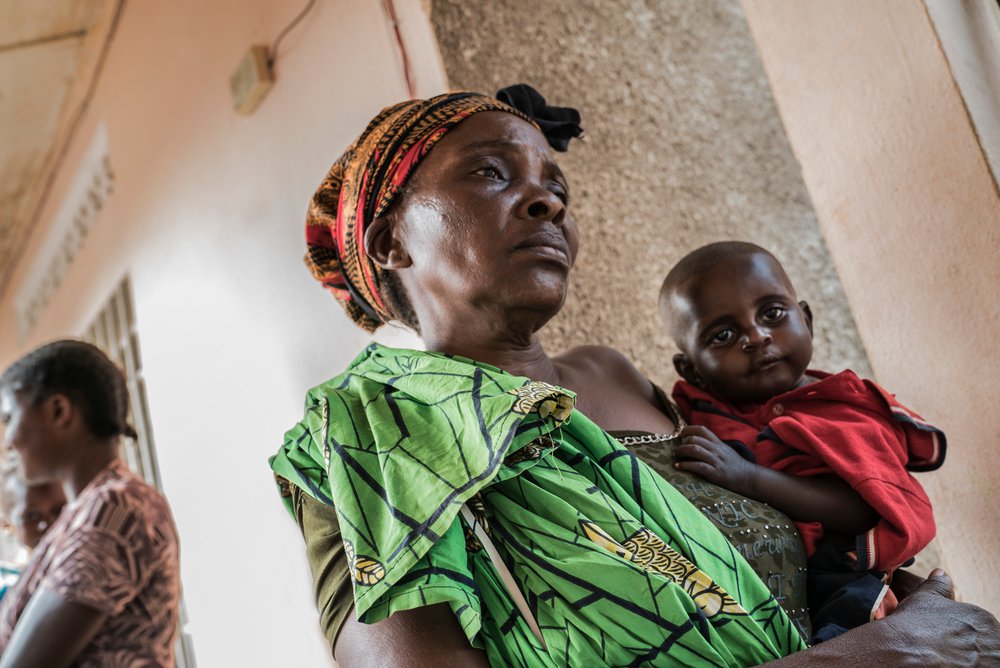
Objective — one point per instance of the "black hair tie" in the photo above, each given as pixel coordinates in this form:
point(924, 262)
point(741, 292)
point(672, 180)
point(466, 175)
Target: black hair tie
point(558, 124)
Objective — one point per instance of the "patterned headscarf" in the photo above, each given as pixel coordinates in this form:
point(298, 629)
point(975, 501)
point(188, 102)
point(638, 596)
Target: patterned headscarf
point(363, 184)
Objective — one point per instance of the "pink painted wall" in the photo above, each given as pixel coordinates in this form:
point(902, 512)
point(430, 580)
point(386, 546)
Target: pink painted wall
point(206, 218)
point(911, 215)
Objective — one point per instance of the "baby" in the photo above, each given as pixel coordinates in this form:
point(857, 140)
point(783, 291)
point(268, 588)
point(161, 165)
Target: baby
point(832, 451)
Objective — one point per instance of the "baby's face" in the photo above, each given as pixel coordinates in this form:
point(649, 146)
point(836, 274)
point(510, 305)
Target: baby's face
point(743, 334)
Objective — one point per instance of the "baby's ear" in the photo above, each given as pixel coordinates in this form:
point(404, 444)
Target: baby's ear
point(687, 371)
point(383, 245)
point(808, 313)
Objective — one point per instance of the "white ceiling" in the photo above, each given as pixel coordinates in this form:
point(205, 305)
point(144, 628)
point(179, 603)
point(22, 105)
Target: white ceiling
point(42, 46)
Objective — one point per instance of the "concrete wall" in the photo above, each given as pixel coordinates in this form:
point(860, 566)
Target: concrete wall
point(684, 146)
point(207, 216)
point(909, 208)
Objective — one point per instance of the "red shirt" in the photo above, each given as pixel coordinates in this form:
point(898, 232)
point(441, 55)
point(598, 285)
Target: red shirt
point(848, 427)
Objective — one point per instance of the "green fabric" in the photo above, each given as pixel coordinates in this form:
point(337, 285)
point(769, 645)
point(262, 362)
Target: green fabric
point(763, 535)
point(601, 546)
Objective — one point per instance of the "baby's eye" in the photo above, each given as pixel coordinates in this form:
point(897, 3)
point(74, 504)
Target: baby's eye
point(722, 337)
point(773, 313)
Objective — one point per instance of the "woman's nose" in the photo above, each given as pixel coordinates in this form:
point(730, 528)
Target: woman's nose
point(543, 205)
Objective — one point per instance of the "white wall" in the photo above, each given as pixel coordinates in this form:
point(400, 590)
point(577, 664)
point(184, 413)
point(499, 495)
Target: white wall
point(207, 218)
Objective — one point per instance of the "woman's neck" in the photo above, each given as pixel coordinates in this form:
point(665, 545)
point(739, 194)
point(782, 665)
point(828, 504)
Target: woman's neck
point(504, 338)
point(96, 456)
point(527, 358)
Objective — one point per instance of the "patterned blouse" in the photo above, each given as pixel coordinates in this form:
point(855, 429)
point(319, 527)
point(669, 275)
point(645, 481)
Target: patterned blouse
point(113, 550)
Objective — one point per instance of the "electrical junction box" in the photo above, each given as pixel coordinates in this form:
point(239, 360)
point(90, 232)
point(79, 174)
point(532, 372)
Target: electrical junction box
point(251, 80)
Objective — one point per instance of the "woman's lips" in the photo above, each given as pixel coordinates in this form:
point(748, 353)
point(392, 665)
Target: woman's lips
point(551, 246)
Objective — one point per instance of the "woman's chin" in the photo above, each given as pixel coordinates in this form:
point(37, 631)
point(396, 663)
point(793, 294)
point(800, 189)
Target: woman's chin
point(32, 476)
point(543, 300)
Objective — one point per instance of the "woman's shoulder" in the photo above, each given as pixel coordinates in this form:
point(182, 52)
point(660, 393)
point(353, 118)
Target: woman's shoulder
point(604, 363)
point(612, 392)
point(120, 499)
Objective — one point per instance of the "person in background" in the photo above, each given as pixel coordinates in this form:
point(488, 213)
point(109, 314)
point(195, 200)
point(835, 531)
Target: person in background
point(104, 579)
point(35, 509)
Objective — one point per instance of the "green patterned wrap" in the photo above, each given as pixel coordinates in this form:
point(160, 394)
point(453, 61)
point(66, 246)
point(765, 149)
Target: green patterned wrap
point(617, 567)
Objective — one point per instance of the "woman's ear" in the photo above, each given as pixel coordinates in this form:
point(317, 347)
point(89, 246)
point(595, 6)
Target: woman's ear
point(383, 244)
point(687, 371)
point(808, 313)
point(59, 410)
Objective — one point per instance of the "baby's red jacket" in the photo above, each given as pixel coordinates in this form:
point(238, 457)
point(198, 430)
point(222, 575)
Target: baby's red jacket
point(852, 428)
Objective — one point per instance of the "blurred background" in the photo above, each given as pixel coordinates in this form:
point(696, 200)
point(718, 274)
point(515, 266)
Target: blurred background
point(155, 170)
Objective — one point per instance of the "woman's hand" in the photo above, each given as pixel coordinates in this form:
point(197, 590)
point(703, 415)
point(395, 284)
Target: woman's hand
point(934, 629)
point(904, 583)
point(928, 628)
point(701, 452)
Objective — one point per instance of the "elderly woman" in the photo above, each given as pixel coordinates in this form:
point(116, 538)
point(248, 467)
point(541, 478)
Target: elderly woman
point(474, 496)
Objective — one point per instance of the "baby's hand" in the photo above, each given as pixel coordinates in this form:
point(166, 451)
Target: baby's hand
point(703, 453)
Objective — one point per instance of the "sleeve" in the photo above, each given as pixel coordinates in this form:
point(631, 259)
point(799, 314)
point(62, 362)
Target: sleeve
point(327, 560)
point(868, 451)
point(437, 578)
point(107, 558)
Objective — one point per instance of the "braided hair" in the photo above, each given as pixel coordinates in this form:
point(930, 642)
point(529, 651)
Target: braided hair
point(83, 373)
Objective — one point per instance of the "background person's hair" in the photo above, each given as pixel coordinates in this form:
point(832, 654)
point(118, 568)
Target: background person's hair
point(83, 373)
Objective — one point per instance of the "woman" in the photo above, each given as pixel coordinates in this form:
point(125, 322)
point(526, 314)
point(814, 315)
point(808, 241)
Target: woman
point(104, 579)
point(483, 512)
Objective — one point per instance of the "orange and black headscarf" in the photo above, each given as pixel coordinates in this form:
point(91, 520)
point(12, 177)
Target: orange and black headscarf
point(365, 180)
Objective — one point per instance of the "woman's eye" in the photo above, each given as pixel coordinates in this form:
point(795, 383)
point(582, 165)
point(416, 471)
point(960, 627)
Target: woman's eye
point(561, 193)
point(489, 172)
point(721, 338)
point(773, 313)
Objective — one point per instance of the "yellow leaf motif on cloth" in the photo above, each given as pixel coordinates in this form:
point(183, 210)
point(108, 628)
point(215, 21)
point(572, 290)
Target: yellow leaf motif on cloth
point(530, 452)
point(366, 571)
point(644, 548)
point(547, 399)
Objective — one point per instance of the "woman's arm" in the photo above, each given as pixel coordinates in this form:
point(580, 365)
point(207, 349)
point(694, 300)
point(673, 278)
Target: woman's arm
point(51, 632)
point(429, 636)
point(928, 628)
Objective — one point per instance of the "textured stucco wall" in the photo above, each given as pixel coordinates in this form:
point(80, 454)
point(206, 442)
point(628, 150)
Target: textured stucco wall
point(684, 146)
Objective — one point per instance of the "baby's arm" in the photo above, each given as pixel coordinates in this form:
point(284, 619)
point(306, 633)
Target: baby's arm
point(827, 500)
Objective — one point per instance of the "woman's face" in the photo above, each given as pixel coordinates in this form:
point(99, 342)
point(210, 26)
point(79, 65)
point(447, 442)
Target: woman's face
point(30, 432)
point(484, 222)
